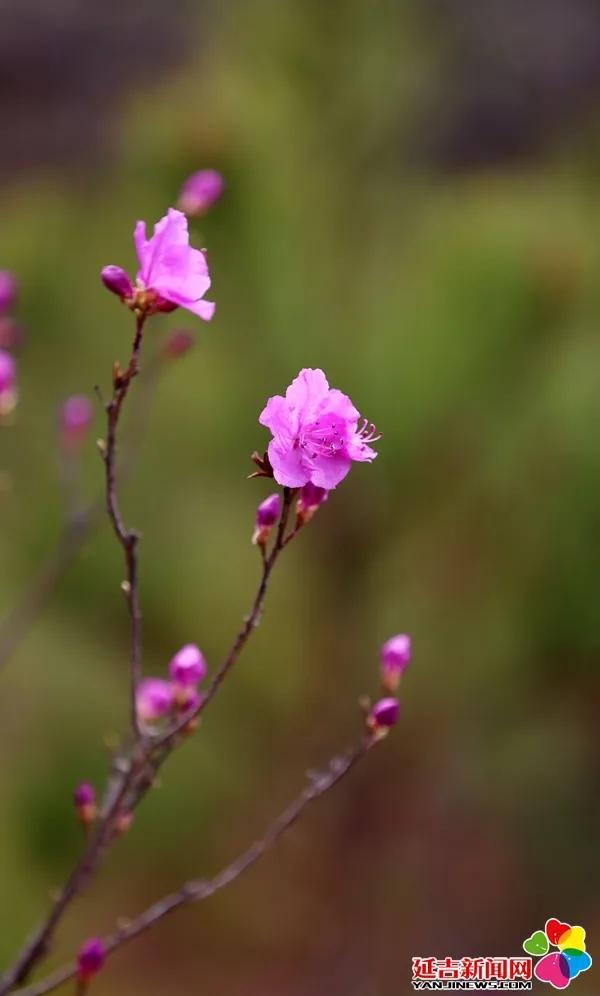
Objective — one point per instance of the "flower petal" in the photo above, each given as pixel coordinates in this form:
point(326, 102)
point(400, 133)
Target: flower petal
point(288, 469)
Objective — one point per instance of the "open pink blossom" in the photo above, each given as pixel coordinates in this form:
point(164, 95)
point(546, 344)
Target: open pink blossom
point(316, 433)
point(171, 273)
point(170, 267)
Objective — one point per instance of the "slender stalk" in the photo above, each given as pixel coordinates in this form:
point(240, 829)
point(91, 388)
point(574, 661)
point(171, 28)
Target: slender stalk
point(128, 538)
point(197, 890)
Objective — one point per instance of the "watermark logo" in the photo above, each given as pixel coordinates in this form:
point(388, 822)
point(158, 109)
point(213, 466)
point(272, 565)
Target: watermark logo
point(466, 974)
point(559, 967)
point(556, 967)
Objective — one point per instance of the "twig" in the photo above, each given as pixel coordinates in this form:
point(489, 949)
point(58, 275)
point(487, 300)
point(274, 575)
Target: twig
point(128, 538)
point(199, 889)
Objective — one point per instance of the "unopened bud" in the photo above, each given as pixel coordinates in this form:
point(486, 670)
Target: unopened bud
point(154, 699)
point(187, 668)
point(310, 498)
point(267, 515)
point(395, 657)
point(383, 715)
point(84, 799)
point(90, 958)
point(116, 280)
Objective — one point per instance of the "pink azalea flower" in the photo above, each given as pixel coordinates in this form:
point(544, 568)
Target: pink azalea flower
point(171, 275)
point(170, 267)
point(316, 434)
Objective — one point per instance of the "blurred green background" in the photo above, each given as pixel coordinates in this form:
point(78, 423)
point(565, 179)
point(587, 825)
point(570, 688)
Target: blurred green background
point(412, 205)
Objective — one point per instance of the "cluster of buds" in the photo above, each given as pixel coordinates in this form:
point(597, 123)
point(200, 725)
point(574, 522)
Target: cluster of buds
point(395, 657)
point(10, 337)
point(269, 510)
point(157, 698)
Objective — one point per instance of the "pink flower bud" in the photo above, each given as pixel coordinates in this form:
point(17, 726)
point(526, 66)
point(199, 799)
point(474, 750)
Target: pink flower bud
point(90, 958)
point(188, 667)
point(200, 191)
point(267, 514)
point(178, 343)
point(268, 511)
point(154, 699)
point(75, 420)
point(384, 713)
point(395, 658)
point(84, 799)
point(84, 794)
point(311, 496)
point(8, 291)
point(115, 279)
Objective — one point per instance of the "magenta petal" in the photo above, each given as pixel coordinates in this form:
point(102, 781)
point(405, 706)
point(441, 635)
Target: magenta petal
point(328, 472)
point(287, 466)
point(310, 387)
point(204, 309)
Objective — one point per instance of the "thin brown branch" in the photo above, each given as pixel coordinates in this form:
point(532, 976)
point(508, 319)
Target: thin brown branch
point(197, 890)
point(128, 538)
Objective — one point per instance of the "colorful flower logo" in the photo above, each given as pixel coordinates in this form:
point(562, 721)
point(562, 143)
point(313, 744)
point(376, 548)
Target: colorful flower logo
point(559, 967)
